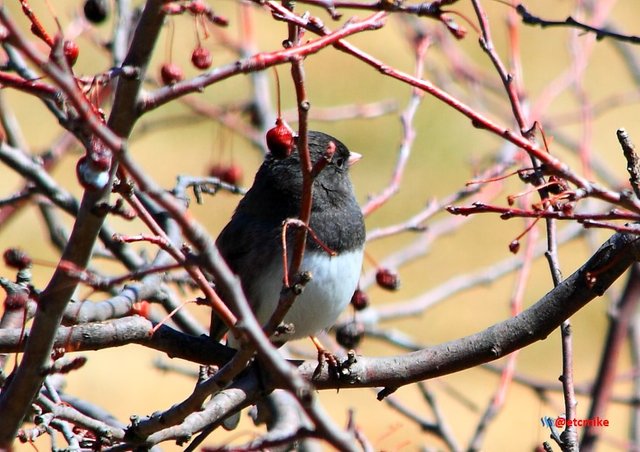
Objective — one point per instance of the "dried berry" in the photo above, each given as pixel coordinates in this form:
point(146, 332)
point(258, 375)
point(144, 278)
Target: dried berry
point(514, 246)
point(360, 300)
point(96, 11)
point(16, 258)
point(280, 140)
point(387, 279)
point(171, 73)
point(71, 51)
point(201, 58)
point(349, 335)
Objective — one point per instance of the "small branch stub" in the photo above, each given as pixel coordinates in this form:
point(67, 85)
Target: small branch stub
point(633, 163)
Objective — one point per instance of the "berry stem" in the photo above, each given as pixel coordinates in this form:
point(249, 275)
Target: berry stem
point(275, 72)
point(169, 48)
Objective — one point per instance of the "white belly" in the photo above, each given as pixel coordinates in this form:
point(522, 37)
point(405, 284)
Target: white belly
point(324, 297)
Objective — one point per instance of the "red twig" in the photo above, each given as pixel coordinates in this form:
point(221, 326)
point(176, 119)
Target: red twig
point(161, 238)
point(409, 134)
point(285, 258)
point(36, 26)
point(552, 164)
point(507, 213)
point(160, 241)
point(34, 87)
point(258, 62)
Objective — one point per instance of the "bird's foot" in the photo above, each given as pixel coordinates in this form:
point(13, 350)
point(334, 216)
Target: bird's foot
point(325, 356)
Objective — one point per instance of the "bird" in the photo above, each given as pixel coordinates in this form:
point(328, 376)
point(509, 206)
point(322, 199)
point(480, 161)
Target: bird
point(251, 243)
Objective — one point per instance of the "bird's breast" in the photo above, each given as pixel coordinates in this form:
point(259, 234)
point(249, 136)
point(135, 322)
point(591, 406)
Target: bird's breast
point(334, 279)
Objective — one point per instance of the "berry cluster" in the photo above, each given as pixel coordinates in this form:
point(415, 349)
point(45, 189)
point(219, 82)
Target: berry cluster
point(201, 57)
point(196, 8)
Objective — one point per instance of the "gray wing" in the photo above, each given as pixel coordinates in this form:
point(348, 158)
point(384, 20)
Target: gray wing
point(247, 244)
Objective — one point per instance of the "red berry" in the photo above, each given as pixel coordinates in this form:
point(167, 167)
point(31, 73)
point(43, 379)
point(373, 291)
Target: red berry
point(231, 174)
point(71, 51)
point(201, 58)
point(280, 140)
point(387, 279)
point(216, 170)
point(16, 258)
point(171, 73)
point(360, 300)
point(142, 308)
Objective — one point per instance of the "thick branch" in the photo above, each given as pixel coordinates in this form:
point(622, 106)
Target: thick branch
point(590, 281)
point(16, 397)
point(534, 324)
point(120, 332)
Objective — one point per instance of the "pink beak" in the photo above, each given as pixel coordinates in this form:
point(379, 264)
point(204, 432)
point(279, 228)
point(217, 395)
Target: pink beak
point(353, 158)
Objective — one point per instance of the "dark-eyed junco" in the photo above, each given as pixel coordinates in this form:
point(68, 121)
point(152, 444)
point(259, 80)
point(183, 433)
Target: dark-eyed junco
point(251, 242)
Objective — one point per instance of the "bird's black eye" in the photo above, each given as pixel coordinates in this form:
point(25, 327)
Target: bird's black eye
point(339, 162)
